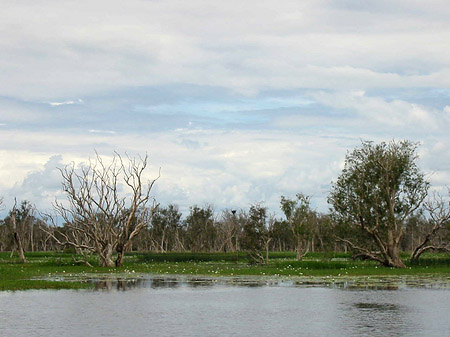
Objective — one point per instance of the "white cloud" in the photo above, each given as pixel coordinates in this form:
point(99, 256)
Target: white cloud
point(245, 46)
point(40, 186)
point(388, 114)
point(102, 131)
point(226, 168)
point(78, 101)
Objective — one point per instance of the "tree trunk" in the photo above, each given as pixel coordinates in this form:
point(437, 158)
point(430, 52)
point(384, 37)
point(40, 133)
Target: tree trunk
point(121, 249)
point(32, 237)
point(19, 248)
point(107, 262)
point(106, 257)
point(393, 251)
point(119, 260)
point(255, 256)
point(17, 239)
point(299, 249)
point(396, 262)
point(267, 250)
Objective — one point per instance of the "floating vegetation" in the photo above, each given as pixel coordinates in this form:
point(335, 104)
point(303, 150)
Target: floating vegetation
point(125, 281)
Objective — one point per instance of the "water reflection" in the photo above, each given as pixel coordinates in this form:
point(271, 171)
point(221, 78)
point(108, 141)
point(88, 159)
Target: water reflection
point(197, 306)
point(156, 282)
point(159, 282)
point(120, 282)
point(200, 283)
point(376, 306)
point(367, 316)
point(123, 284)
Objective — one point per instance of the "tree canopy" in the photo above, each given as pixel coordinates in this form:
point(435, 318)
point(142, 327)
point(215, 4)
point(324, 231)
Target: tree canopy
point(379, 187)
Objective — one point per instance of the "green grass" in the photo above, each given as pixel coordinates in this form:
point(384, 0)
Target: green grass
point(31, 275)
point(205, 257)
point(190, 257)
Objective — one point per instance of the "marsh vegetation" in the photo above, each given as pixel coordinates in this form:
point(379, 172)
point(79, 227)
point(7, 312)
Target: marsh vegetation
point(58, 271)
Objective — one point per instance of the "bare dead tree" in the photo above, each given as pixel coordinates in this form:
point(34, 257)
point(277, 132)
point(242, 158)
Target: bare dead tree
point(67, 236)
point(438, 211)
point(108, 204)
point(301, 219)
point(228, 231)
point(17, 238)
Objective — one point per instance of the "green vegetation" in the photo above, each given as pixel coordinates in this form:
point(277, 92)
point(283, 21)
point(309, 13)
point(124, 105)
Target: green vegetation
point(379, 188)
point(19, 276)
point(380, 208)
point(43, 268)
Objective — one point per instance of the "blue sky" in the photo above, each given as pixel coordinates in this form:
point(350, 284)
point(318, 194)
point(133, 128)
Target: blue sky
point(237, 102)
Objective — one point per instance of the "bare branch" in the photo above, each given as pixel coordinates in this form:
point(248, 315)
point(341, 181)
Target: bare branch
point(438, 211)
point(98, 213)
point(363, 251)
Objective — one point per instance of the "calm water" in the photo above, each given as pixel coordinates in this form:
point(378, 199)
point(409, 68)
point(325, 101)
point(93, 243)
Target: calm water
point(170, 307)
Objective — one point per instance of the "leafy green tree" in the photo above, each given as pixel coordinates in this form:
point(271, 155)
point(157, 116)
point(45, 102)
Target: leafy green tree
point(200, 228)
point(256, 234)
point(324, 232)
point(300, 218)
point(378, 189)
point(167, 229)
point(282, 238)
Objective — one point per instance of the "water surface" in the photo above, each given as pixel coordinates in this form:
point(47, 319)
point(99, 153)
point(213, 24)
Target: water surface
point(205, 307)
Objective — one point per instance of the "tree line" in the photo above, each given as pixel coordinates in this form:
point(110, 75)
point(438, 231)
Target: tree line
point(380, 205)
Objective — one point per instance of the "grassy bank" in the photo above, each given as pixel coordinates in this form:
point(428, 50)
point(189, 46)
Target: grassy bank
point(17, 276)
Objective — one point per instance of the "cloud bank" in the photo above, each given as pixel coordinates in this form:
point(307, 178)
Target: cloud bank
point(237, 103)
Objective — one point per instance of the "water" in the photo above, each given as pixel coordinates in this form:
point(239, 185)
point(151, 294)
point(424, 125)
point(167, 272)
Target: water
point(199, 307)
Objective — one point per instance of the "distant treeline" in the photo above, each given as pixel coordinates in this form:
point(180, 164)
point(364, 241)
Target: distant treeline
point(204, 230)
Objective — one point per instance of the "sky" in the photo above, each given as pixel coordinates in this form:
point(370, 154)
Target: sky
point(236, 102)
